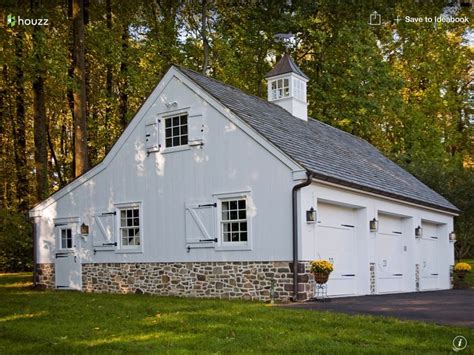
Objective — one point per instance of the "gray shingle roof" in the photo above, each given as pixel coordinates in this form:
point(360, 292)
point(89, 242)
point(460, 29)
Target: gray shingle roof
point(285, 65)
point(327, 152)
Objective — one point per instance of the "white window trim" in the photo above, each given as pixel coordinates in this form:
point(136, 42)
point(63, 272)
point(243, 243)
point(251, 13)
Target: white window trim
point(162, 131)
point(121, 249)
point(60, 243)
point(229, 246)
point(283, 96)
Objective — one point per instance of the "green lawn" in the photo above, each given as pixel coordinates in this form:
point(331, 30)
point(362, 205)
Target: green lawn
point(72, 322)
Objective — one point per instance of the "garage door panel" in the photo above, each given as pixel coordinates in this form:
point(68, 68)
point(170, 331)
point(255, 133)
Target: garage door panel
point(389, 255)
point(336, 242)
point(429, 251)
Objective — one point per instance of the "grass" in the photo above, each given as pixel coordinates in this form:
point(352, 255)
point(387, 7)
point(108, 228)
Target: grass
point(469, 278)
point(71, 322)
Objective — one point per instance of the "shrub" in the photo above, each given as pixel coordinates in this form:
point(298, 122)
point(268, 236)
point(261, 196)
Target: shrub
point(16, 245)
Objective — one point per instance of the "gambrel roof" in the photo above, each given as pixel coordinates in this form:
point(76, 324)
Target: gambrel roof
point(327, 152)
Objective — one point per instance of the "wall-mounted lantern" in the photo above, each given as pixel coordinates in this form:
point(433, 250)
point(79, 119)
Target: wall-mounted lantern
point(84, 229)
point(419, 232)
point(311, 215)
point(374, 225)
point(452, 236)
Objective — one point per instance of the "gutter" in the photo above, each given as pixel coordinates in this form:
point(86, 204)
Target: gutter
point(295, 231)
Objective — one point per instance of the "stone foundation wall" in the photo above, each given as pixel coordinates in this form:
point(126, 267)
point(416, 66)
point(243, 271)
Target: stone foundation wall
point(45, 275)
point(238, 280)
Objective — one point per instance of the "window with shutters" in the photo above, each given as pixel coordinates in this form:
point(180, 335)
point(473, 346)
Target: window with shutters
point(234, 224)
point(176, 131)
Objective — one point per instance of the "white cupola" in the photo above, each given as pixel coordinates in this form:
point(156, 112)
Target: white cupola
point(287, 87)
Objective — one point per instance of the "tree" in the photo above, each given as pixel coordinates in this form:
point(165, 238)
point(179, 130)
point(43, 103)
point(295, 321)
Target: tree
point(81, 155)
point(39, 113)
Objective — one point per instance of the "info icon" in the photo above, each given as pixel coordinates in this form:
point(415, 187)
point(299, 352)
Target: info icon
point(459, 343)
point(375, 19)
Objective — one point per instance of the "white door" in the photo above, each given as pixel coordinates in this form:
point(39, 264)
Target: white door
point(389, 254)
point(429, 248)
point(67, 266)
point(336, 242)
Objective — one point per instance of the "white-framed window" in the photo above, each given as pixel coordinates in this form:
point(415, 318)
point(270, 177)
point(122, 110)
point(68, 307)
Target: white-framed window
point(176, 130)
point(299, 89)
point(130, 227)
point(66, 238)
point(234, 221)
point(280, 88)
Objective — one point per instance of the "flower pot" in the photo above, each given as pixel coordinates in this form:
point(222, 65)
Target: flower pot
point(461, 274)
point(321, 278)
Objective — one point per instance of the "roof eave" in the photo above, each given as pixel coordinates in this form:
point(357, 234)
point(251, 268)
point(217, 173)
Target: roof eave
point(382, 193)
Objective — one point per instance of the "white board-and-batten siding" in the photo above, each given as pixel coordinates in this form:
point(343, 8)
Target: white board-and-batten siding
point(163, 182)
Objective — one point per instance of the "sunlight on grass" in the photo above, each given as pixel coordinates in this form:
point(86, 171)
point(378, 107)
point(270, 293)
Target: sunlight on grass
point(126, 339)
point(36, 322)
point(22, 316)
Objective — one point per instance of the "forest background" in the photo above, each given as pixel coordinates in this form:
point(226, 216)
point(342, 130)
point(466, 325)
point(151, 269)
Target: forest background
point(68, 89)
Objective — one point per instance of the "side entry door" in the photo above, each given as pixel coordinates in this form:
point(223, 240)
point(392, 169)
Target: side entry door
point(67, 264)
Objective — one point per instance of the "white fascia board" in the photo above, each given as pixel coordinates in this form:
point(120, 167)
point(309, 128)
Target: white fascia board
point(245, 127)
point(36, 210)
point(318, 181)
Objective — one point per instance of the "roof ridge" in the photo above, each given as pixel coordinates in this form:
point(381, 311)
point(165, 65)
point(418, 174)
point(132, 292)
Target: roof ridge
point(237, 89)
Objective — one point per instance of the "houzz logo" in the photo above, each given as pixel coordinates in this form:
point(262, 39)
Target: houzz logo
point(11, 20)
point(14, 20)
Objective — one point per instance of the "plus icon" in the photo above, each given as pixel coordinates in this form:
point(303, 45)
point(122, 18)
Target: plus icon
point(398, 19)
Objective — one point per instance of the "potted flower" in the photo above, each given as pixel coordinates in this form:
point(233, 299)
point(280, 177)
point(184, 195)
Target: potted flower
point(461, 269)
point(321, 269)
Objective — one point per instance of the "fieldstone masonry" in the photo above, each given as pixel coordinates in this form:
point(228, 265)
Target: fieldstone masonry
point(45, 275)
point(242, 280)
point(372, 278)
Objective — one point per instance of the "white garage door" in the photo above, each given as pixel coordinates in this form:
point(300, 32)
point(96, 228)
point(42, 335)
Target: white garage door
point(336, 242)
point(389, 254)
point(429, 250)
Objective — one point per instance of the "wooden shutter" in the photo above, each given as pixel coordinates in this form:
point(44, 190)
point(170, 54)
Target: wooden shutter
point(196, 130)
point(201, 223)
point(151, 136)
point(104, 231)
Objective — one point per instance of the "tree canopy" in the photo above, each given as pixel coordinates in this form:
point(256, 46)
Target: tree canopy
point(68, 89)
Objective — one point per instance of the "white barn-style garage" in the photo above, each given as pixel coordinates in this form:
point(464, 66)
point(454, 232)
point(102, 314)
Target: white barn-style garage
point(211, 192)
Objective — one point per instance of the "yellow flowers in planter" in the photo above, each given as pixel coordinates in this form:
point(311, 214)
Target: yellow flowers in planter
point(462, 267)
point(321, 266)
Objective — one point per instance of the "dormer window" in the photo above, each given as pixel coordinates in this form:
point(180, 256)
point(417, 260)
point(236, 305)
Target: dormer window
point(280, 88)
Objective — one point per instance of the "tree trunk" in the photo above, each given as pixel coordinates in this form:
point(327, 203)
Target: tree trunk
point(39, 114)
point(123, 96)
point(109, 82)
point(22, 190)
point(81, 155)
point(205, 41)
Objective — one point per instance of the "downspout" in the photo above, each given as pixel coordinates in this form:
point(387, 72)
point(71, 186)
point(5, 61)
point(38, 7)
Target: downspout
point(295, 232)
point(33, 234)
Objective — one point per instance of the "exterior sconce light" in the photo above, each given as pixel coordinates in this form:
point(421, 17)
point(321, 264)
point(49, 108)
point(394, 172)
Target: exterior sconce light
point(311, 215)
point(452, 236)
point(374, 225)
point(84, 229)
point(419, 232)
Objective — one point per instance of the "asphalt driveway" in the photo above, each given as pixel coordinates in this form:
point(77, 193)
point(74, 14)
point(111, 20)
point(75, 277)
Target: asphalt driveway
point(451, 307)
